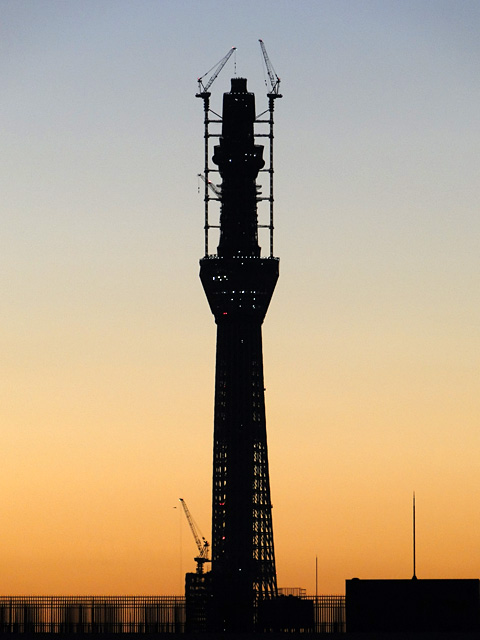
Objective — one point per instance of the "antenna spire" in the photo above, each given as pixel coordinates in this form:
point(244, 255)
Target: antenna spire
point(414, 577)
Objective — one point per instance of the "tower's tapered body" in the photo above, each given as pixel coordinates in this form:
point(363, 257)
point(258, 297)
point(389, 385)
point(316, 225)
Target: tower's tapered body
point(239, 285)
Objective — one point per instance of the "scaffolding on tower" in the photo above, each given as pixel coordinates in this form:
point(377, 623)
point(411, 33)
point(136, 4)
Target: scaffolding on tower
point(211, 117)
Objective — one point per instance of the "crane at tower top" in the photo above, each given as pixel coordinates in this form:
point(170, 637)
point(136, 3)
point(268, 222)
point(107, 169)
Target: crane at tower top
point(274, 79)
point(202, 545)
point(217, 190)
point(203, 88)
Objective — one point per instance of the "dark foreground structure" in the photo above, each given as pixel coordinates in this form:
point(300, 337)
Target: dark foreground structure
point(413, 606)
point(92, 614)
point(239, 285)
point(131, 615)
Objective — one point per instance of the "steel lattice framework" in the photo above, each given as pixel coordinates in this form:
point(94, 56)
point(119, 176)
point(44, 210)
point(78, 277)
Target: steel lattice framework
point(239, 285)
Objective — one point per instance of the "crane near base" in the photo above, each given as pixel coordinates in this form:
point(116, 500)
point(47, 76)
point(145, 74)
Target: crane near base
point(202, 545)
point(197, 585)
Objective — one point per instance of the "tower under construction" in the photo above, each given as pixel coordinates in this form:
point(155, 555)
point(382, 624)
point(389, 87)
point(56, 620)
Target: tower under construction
point(239, 285)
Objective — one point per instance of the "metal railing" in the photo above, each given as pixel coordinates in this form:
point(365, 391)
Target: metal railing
point(129, 614)
point(328, 613)
point(80, 614)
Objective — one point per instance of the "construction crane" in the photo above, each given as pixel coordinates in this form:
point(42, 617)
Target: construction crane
point(216, 189)
point(274, 79)
point(204, 93)
point(202, 545)
point(203, 89)
point(272, 95)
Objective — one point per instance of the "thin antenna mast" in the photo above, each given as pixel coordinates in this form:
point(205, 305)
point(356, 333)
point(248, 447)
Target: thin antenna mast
point(414, 577)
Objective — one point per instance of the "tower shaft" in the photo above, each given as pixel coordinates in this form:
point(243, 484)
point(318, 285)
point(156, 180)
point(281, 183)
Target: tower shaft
point(239, 285)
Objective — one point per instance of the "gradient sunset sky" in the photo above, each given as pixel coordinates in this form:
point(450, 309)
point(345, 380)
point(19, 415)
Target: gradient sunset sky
point(371, 343)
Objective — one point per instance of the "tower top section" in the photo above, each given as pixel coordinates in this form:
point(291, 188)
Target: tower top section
point(238, 113)
point(239, 85)
point(239, 160)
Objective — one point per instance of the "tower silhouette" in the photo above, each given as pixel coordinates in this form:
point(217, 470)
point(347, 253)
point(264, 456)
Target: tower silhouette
point(239, 285)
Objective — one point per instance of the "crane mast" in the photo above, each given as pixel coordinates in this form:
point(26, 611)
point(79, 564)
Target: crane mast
point(272, 95)
point(204, 93)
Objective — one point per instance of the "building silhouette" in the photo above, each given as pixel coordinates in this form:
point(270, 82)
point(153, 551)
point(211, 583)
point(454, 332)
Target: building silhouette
point(239, 285)
point(413, 606)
